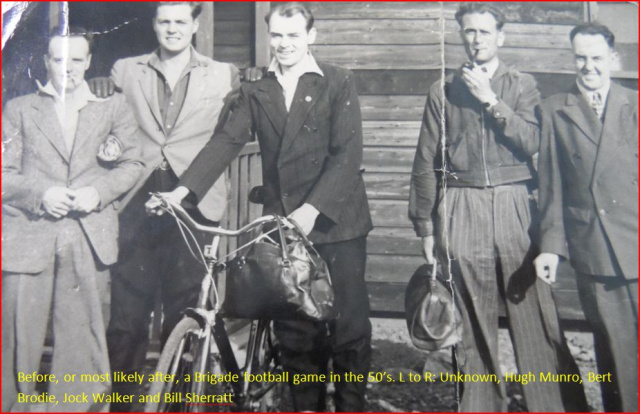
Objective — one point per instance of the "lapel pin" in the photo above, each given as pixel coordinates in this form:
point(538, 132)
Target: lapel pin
point(307, 99)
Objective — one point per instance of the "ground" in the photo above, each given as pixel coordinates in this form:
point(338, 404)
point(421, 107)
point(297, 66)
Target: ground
point(393, 353)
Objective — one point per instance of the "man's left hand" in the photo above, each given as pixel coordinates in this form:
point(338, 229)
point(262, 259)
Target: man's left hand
point(479, 84)
point(87, 199)
point(305, 216)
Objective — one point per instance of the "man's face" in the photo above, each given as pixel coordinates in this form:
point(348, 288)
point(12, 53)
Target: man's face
point(174, 27)
point(67, 60)
point(289, 39)
point(594, 60)
point(481, 36)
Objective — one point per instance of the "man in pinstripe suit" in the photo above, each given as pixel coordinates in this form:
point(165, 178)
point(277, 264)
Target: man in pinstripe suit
point(477, 215)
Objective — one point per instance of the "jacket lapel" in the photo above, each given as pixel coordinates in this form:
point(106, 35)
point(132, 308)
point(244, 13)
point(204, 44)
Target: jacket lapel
point(149, 87)
point(310, 87)
point(197, 85)
point(269, 95)
point(578, 110)
point(616, 116)
point(49, 125)
point(88, 118)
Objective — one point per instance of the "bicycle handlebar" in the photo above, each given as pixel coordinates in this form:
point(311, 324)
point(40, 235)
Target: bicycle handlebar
point(169, 206)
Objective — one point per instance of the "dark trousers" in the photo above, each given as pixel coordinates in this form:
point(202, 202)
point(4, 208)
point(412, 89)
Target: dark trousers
point(308, 346)
point(492, 261)
point(611, 307)
point(153, 258)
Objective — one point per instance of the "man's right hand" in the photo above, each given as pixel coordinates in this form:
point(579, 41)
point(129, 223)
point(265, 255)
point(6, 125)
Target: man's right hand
point(428, 248)
point(153, 206)
point(546, 265)
point(58, 201)
point(102, 87)
point(254, 74)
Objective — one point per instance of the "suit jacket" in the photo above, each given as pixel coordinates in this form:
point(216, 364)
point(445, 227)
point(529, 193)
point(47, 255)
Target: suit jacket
point(310, 155)
point(209, 83)
point(589, 182)
point(35, 158)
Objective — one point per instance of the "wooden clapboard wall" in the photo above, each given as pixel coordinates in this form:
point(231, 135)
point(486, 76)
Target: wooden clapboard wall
point(396, 51)
point(233, 33)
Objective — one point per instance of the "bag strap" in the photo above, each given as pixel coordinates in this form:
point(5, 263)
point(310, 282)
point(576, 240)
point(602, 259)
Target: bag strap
point(305, 240)
point(309, 245)
point(283, 242)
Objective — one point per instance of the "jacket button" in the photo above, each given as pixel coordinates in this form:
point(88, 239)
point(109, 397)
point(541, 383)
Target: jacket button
point(602, 212)
point(285, 195)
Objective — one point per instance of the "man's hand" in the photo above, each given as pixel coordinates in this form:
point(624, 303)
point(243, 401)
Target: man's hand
point(546, 265)
point(253, 74)
point(479, 84)
point(102, 87)
point(87, 199)
point(428, 247)
point(58, 201)
point(305, 216)
point(153, 205)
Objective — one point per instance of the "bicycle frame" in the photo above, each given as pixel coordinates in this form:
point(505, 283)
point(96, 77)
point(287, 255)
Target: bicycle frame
point(212, 324)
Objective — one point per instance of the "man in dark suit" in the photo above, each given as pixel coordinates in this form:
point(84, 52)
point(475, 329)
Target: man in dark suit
point(588, 171)
point(67, 159)
point(307, 119)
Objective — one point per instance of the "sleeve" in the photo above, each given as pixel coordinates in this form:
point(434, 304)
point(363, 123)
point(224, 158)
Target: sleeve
point(129, 166)
point(117, 73)
point(520, 125)
point(18, 190)
point(234, 130)
point(341, 172)
point(423, 189)
point(552, 231)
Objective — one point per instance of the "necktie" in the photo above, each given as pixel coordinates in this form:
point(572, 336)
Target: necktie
point(596, 104)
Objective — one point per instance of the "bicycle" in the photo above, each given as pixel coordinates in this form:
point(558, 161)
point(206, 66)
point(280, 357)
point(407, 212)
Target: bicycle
point(199, 349)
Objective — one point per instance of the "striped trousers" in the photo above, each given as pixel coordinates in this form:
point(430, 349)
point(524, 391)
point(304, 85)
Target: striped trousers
point(488, 240)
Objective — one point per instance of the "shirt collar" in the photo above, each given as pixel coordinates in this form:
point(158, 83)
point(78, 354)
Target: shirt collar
point(154, 59)
point(604, 91)
point(308, 65)
point(81, 95)
point(491, 67)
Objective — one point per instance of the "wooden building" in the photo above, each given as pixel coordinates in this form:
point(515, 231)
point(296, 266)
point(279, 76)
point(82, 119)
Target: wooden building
point(396, 50)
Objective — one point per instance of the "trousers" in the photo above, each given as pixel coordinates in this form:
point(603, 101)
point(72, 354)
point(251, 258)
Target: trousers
point(73, 288)
point(610, 305)
point(308, 346)
point(154, 259)
point(486, 234)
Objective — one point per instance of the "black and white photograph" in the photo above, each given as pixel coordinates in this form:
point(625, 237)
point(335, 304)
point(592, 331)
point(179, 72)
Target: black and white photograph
point(323, 206)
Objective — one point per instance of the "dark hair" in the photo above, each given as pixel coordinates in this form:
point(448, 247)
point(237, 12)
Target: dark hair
point(480, 8)
point(71, 31)
point(196, 6)
point(290, 10)
point(594, 29)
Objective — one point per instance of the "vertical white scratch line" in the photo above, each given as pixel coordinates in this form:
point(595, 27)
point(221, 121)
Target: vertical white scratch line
point(445, 168)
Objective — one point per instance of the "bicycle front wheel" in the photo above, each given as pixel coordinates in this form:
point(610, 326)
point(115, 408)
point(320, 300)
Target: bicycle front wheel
point(183, 354)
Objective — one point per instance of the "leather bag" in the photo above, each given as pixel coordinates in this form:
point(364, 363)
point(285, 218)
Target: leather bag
point(280, 281)
point(433, 320)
